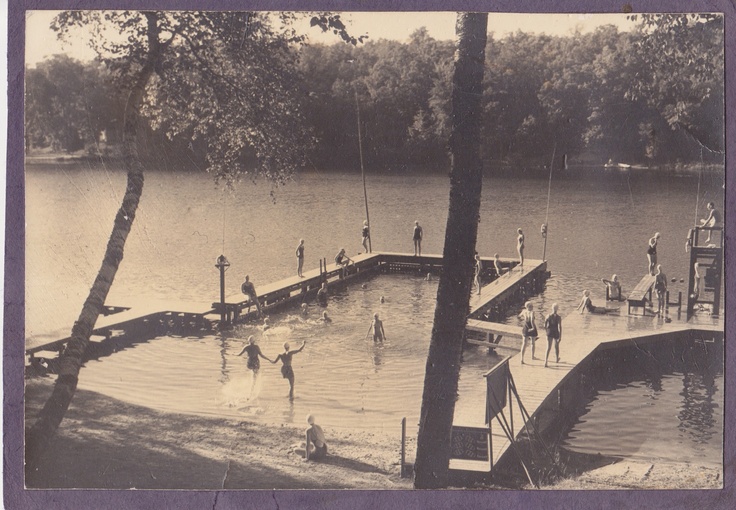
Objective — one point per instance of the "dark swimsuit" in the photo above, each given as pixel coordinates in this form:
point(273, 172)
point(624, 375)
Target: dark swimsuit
point(529, 329)
point(417, 233)
point(300, 252)
point(652, 250)
point(553, 325)
point(365, 231)
point(253, 351)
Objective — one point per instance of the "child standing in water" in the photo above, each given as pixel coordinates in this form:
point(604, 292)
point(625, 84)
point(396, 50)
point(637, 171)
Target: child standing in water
point(377, 326)
point(286, 371)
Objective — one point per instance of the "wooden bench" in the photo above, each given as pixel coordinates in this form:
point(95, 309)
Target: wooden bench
point(642, 293)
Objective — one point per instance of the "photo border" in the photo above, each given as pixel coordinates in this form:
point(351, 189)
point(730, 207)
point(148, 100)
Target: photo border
point(15, 496)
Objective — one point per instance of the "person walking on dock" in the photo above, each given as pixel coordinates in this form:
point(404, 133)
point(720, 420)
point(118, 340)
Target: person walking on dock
point(660, 286)
point(253, 352)
point(379, 335)
point(417, 237)
point(652, 252)
point(249, 290)
point(553, 328)
point(520, 247)
point(528, 330)
point(366, 236)
point(300, 258)
point(478, 268)
point(286, 371)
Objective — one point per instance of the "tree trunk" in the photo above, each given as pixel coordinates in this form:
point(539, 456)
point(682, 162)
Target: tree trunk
point(40, 434)
point(453, 294)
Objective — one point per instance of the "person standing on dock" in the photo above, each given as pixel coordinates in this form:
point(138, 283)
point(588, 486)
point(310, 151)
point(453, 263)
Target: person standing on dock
point(478, 268)
point(253, 352)
point(286, 371)
point(520, 247)
point(366, 235)
point(417, 237)
point(379, 335)
point(652, 252)
point(249, 290)
point(528, 330)
point(660, 285)
point(300, 258)
point(553, 328)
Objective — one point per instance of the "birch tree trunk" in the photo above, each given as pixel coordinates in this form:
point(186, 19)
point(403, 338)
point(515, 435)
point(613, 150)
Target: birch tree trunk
point(453, 294)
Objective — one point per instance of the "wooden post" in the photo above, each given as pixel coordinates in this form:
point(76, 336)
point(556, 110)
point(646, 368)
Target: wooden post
point(222, 264)
point(402, 472)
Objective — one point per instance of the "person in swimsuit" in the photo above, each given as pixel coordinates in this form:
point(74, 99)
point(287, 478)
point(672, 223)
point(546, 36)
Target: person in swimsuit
point(713, 219)
point(300, 258)
point(587, 304)
point(614, 288)
point(660, 285)
point(417, 237)
point(253, 352)
point(315, 436)
point(652, 252)
point(497, 264)
point(322, 294)
point(478, 268)
point(304, 310)
point(520, 248)
point(286, 371)
point(553, 327)
point(325, 318)
point(529, 329)
point(341, 259)
point(366, 236)
point(379, 335)
point(249, 290)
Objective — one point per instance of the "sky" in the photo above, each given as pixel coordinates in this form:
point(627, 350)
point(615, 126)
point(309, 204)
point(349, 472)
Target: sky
point(41, 42)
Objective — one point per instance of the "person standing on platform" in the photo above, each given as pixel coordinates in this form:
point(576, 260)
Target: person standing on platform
point(249, 290)
point(528, 330)
point(520, 247)
point(366, 236)
point(478, 268)
point(660, 285)
point(652, 252)
point(286, 371)
point(300, 259)
point(417, 237)
point(713, 219)
point(553, 327)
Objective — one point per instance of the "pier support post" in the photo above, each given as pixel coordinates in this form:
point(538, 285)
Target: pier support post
point(222, 264)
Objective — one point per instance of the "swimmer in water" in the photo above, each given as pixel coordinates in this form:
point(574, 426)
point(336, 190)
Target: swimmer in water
point(382, 300)
point(429, 277)
point(325, 318)
point(286, 371)
point(266, 324)
point(379, 335)
point(304, 311)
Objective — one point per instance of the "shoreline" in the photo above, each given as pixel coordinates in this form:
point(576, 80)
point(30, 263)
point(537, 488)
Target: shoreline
point(106, 443)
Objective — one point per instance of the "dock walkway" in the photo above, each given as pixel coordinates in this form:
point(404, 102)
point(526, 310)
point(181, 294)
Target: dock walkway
point(582, 336)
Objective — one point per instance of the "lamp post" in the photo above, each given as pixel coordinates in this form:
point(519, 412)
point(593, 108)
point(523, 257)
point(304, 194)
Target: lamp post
point(222, 264)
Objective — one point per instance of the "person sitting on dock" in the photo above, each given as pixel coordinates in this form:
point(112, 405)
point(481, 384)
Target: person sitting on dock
point(286, 371)
point(379, 335)
point(553, 327)
point(417, 238)
point(660, 286)
point(315, 436)
point(366, 235)
point(478, 269)
point(249, 290)
point(528, 330)
point(713, 219)
point(253, 352)
point(520, 248)
point(341, 259)
point(497, 265)
point(300, 258)
point(322, 294)
point(587, 304)
point(652, 252)
point(614, 288)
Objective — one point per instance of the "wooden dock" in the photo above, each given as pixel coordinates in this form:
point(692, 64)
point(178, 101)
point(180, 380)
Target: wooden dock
point(537, 386)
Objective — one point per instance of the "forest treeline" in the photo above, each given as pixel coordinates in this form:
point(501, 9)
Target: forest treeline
point(650, 96)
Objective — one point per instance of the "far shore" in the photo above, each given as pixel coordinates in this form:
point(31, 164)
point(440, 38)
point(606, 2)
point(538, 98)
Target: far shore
point(105, 443)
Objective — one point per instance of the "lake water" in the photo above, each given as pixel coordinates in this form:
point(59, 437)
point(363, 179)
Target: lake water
point(597, 226)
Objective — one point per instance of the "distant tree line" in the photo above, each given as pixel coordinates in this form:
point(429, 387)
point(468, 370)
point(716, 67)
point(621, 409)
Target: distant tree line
point(653, 95)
